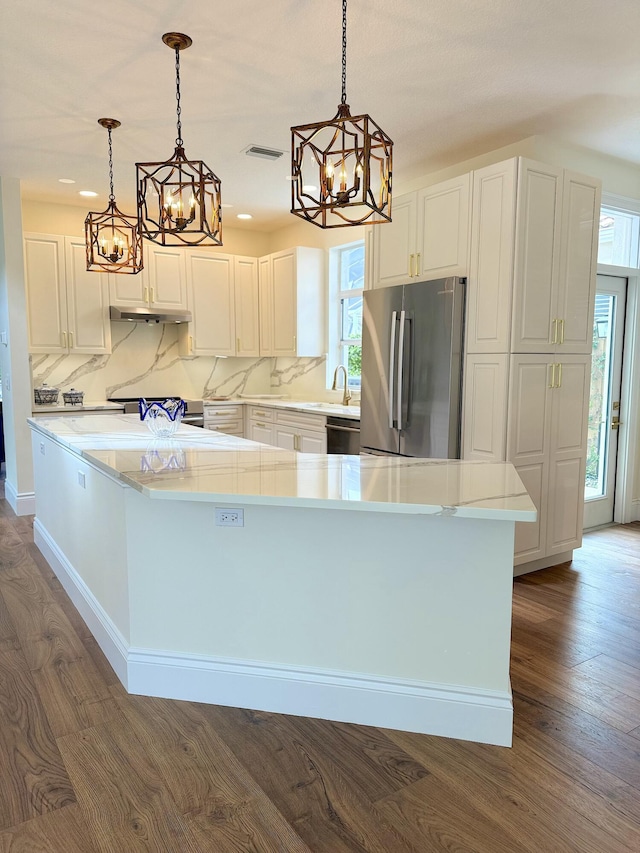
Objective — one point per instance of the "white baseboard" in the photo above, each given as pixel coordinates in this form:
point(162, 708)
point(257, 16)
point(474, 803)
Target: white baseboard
point(23, 503)
point(438, 709)
point(108, 637)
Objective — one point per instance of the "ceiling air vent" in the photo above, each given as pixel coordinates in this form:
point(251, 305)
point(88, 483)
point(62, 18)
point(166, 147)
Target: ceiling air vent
point(265, 153)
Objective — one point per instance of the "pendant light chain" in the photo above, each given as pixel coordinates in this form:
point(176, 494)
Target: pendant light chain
point(344, 52)
point(178, 108)
point(111, 195)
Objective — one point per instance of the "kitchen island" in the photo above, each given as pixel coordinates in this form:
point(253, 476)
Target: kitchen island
point(369, 589)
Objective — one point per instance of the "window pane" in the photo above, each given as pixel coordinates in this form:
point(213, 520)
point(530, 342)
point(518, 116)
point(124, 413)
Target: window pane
point(351, 318)
point(352, 268)
point(598, 426)
point(618, 237)
point(352, 360)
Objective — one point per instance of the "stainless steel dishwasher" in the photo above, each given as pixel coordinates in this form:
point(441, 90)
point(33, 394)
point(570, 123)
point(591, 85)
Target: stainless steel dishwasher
point(343, 436)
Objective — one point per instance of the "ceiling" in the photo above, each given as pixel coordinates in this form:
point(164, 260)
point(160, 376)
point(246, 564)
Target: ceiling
point(446, 79)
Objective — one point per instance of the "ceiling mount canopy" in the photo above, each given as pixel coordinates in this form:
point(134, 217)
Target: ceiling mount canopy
point(112, 238)
point(341, 168)
point(179, 202)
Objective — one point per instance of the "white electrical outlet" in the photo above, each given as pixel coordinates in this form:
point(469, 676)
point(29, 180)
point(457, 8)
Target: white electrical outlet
point(42, 447)
point(229, 517)
point(82, 480)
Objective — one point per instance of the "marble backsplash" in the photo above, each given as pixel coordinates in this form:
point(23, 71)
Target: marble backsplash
point(145, 360)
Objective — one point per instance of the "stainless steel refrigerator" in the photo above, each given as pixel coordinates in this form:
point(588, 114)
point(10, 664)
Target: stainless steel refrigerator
point(412, 345)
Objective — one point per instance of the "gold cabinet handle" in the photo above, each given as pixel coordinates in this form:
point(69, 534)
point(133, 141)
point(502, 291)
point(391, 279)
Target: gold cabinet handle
point(64, 340)
point(554, 335)
point(561, 331)
point(190, 344)
point(295, 442)
point(258, 424)
point(552, 376)
point(418, 257)
point(260, 414)
point(559, 385)
point(70, 340)
point(145, 295)
point(410, 266)
point(237, 344)
point(295, 343)
point(153, 294)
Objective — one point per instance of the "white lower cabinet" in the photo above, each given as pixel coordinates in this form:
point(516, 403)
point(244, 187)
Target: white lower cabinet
point(547, 436)
point(287, 429)
point(224, 418)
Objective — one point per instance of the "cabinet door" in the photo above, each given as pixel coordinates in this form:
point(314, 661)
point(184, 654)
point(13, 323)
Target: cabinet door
point(262, 432)
point(310, 441)
point(394, 244)
point(538, 222)
point(46, 292)
point(578, 261)
point(285, 437)
point(212, 304)
point(490, 283)
point(167, 276)
point(528, 445)
point(443, 218)
point(284, 302)
point(265, 301)
point(484, 418)
point(89, 327)
point(246, 305)
point(129, 289)
point(568, 444)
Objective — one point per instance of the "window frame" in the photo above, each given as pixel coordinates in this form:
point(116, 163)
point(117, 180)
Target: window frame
point(338, 346)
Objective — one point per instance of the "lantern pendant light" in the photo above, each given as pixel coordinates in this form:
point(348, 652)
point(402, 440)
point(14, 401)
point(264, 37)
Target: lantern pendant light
point(341, 168)
point(112, 238)
point(179, 201)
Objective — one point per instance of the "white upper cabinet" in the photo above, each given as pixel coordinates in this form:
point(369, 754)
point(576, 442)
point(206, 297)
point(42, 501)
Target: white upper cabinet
point(443, 222)
point(490, 283)
point(211, 300)
point(247, 314)
point(292, 303)
point(537, 260)
point(67, 307)
point(428, 237)
point(162, 284)
point(394, 243)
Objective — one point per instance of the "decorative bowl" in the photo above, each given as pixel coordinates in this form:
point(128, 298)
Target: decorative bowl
point(163, 456)
point(45, 396)
point(73, 397)
point(163, 419)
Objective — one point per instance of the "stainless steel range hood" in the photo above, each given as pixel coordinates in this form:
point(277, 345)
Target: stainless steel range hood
point(135, 314)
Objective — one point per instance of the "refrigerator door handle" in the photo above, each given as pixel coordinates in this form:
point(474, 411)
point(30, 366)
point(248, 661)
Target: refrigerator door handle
point(401, 366)
point(392, 356)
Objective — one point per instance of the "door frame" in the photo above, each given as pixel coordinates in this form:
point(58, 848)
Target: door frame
point(625, 508)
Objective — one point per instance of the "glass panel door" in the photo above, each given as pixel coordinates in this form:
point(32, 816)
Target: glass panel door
point(604, 400)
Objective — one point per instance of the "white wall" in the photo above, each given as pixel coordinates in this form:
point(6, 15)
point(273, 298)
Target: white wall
point(14, 355)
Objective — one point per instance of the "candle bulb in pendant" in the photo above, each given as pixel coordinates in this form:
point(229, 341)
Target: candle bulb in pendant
point(343, 178)
point(357, 176)
point(328, 170)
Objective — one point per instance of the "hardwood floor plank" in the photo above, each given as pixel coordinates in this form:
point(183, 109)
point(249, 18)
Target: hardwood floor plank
point(209, 785)
point(620, 676)
point(375, 764)
point(8, 636)
point(522, 793)
point(69, 684)
point(62, 831)
point(614, 751)
point(435, 817)
point(324, 808)
point(33, 779)
point(122, 797)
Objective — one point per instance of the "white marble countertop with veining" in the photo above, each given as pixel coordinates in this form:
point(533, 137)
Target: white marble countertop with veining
point(306, 406)
point(99, 406)
point(198, 465)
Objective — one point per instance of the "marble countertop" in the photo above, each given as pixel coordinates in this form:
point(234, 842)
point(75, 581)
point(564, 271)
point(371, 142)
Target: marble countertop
point(309, 407)
point(99, 406)
point(199, 465)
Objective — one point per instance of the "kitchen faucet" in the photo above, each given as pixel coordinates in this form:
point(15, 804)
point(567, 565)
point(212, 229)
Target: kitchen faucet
point(346, 395)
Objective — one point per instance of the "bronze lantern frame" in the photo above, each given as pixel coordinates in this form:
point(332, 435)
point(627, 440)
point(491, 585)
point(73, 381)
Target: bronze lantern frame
point(341, 168)
point(179, 200)
point(112, 238)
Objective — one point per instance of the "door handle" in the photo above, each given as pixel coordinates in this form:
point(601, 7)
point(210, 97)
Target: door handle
point(400, 367)
point(554, 335)
point(410, 266)
point(559, 385)
point(561, 324)
point(615, 422)
point(418, 257)
point(552, 375)
point(392, 358)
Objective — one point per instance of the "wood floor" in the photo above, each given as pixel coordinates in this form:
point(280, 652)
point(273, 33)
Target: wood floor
point(84, 767)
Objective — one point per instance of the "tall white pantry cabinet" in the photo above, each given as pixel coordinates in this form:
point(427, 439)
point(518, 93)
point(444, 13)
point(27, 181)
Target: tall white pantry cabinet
point(526, 235)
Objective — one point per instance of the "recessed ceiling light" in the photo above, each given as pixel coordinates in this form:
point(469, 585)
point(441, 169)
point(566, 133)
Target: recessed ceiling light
point(66, 181)
point(88, 193)
point(245, 216)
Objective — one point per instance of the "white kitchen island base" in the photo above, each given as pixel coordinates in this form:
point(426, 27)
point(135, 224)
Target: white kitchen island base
point(347, 607)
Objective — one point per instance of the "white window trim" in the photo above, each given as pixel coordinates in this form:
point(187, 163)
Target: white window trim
point(334, 313)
